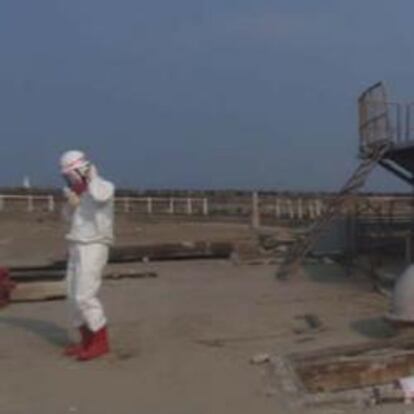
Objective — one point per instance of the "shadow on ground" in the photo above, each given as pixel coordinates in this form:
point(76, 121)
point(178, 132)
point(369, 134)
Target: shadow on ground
point(374, 328)
point(49, 331)
point(326, 273)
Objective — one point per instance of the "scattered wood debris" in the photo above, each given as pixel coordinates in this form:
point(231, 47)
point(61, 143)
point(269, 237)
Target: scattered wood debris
point(364, 374)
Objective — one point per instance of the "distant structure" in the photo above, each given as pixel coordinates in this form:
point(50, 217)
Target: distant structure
point(26, 182)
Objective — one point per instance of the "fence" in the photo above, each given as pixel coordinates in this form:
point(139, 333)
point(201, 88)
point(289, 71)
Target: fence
point(29, 203)
point(255, 206)
point(143, 205)
point(162, 205)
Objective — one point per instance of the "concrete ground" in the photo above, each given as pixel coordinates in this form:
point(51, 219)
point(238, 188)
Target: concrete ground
point(182, 342)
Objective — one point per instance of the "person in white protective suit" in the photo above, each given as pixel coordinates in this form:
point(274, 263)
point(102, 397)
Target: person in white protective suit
point(90, 210)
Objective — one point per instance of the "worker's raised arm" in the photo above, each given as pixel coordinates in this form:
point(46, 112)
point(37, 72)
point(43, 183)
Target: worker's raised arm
point(100, 189)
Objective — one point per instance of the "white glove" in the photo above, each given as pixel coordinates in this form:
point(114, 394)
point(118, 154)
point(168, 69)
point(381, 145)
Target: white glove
point(92, 173)
point(71, 197)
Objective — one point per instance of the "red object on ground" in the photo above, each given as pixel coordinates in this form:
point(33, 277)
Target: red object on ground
point(6, 287)
point(98, 345)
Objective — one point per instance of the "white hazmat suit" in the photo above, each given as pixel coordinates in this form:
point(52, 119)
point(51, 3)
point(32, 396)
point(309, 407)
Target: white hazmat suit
point(90, 235)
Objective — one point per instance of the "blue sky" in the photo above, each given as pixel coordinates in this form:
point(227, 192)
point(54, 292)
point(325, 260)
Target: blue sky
point(197, 94)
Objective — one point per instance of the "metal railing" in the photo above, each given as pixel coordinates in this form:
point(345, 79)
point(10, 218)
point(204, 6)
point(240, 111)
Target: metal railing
point(383, 120)
point(283, 208)
point(374, 116)
point(163, 205)
point(147, 205)
point(272, 208)
point(28, 203)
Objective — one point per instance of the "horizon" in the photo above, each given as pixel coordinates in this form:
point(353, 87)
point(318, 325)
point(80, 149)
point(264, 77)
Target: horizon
point(5, 191)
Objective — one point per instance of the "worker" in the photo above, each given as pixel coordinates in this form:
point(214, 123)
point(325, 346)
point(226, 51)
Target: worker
point(89, 208)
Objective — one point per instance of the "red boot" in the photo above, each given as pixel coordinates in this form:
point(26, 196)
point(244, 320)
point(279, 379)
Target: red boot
point(75, 349)
point(98, 345)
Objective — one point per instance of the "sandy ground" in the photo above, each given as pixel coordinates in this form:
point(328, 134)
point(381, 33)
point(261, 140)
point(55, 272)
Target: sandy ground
point(182, 342)
point(37, 240)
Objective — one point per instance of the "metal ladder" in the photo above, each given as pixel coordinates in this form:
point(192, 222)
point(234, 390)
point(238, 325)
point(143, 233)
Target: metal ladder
point(302, 246)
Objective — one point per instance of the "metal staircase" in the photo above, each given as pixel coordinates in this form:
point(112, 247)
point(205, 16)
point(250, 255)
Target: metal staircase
point(302, 247)
point(376, 140)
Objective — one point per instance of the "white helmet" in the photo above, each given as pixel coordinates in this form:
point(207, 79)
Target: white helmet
point(73, 160)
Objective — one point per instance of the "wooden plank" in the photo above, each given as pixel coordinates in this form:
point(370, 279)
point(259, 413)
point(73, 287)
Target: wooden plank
point(355, 366)
point(324, 354)
point(38, 291)
point(30, 276)
point(171, 251)
point(138, 253)
point(34, 290)
point(342, 375)
point(58, 275)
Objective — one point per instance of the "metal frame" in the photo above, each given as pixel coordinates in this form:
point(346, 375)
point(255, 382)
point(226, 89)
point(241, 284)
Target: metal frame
point(374, 117)
point(383, 120)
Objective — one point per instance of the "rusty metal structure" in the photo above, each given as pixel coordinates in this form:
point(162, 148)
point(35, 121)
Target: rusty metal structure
point(386, 138)
point(383, 121)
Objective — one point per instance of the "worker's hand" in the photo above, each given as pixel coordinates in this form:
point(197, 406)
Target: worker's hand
point(71, 197)
point(92, 173)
